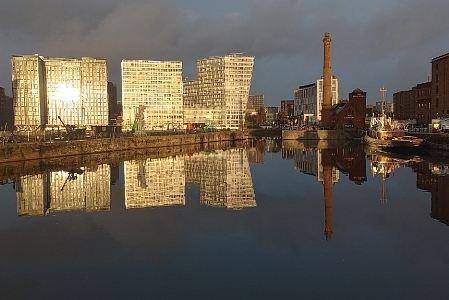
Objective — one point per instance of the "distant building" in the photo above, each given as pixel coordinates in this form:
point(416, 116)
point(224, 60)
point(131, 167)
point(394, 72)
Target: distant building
point(440, 87)
point(255, 103)
point(288, 106)
point(6, 111)
point(151, 94)
point(45, 89)
point(352, 113)
point(113, 105)
point(388, 108)
point(370, 110)
point(220, 95)
point(308, 100)
point(271, 113)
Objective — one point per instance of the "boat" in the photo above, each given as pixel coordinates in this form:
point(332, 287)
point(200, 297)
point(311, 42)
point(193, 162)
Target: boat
point(406, 141)
point(388, 134)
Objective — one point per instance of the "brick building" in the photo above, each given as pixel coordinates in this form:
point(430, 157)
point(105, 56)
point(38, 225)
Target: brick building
point(413, 104)
point(352, 113)
point(422, 95)
point(404, 105)
point(440, 87)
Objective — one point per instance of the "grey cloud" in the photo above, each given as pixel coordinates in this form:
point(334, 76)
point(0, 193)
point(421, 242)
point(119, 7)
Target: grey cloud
point(288, 30)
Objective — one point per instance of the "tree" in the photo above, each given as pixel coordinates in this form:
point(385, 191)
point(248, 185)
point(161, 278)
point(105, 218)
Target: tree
point(261, 117)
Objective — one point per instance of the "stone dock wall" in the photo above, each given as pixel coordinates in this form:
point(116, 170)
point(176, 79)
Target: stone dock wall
point(10, 152)
point(314, 135)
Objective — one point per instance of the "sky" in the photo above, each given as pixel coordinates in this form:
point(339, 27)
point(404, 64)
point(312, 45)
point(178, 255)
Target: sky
point(379, 43)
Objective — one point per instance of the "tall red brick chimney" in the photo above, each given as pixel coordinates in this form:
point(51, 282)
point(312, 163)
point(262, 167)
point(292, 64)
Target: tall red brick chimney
point(326, 109)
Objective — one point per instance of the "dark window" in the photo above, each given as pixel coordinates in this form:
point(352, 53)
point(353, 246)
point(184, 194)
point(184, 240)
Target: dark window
point(436, 78)
point(436, 66)
point(436, 103)
point(436, 90)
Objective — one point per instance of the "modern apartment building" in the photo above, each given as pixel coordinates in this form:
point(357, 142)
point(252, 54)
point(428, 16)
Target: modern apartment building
point(440, 87)
point(309, 100)
point(151, 94)
point(46, 89)
point(220, 94)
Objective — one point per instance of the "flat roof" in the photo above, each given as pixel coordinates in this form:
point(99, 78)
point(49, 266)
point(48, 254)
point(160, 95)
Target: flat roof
point(440, 57)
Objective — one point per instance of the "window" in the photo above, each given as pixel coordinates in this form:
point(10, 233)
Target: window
point(436, 90)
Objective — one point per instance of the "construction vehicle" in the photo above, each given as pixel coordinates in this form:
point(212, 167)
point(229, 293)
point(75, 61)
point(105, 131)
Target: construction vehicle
point(72, 132)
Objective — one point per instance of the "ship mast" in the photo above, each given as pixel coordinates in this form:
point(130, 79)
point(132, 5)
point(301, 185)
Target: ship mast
point(382, 104)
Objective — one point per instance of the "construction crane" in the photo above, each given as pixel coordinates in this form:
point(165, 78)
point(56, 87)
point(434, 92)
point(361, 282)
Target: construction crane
point(71, 131)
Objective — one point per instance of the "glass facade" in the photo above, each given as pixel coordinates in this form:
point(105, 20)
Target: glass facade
point(45, 88)
point(152, 94)
point(219, 96)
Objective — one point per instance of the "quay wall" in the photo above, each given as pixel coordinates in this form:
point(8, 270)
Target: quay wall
point(301, 134)
point(14, 169)
point(42, 150)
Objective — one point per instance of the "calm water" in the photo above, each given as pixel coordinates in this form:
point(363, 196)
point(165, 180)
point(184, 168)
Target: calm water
point(264, 222)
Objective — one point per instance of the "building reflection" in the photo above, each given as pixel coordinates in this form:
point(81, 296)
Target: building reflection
point(154, 182)
point(224, 178)
point(256, 151)
point(326, 164)
point(434, 178)
point(85, 188)
point(384, 165)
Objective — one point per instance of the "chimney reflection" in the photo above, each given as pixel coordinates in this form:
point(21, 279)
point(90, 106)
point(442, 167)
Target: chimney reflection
point(326, 164)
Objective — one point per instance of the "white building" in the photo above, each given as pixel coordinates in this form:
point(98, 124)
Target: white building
point(220, 94)
point(47, 88)
point(152, 94)
point(309, 100)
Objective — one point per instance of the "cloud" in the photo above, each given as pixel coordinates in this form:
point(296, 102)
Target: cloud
point(288, 31)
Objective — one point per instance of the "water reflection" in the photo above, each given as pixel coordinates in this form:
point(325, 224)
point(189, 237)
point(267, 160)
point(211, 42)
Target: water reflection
point(82, 188)
point(317, 214)
point(223, 177)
